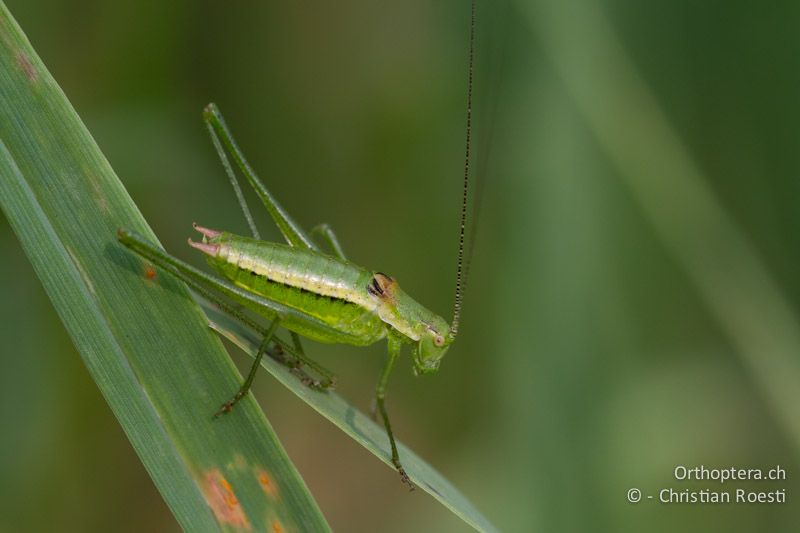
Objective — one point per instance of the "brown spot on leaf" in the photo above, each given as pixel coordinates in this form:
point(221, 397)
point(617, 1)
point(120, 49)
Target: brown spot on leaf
point(266, 482)
point(149, 272)
point(277, 527)
point(222, 500)
point(27, 67)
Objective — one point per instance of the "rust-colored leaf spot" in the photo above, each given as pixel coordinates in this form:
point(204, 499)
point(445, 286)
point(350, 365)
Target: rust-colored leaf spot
point(27, 67)
point(266, 482)
point(222, 500)
point(277, 527)
point(149, 272)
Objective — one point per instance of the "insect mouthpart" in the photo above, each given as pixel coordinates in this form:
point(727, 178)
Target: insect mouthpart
point(429, 351)
point(426, 368)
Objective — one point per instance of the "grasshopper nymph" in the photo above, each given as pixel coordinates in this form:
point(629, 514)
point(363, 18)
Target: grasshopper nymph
point(312, 293)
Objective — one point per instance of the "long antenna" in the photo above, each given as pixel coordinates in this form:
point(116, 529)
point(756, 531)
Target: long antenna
point(481, 170)
point(464, 198)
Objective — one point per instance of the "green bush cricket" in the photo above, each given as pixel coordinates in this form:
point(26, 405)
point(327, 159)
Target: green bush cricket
point(311, 293)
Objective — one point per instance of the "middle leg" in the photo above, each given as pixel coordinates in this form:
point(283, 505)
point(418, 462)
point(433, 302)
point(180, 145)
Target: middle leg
point(328, 378)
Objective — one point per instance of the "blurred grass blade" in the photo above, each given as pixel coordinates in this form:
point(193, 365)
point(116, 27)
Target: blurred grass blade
point(144, 340)
point(723, 264)
point(354, 423)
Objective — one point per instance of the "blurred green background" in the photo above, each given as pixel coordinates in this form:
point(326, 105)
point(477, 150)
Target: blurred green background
point(634, 293)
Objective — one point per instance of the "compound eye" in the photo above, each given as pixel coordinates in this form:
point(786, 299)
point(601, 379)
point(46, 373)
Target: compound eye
point(438, 340)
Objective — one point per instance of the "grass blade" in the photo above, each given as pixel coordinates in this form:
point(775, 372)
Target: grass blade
point(143, 339)
point(730, 276)
point(355, 424)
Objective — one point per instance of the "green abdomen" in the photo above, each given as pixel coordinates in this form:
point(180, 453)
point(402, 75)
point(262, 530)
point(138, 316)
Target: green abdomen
point(326, 288)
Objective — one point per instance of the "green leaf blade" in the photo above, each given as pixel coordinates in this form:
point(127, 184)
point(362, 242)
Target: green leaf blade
point(144, 341)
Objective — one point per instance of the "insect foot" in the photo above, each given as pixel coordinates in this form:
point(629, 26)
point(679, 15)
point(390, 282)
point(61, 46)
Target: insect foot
point(224, 410)
point(405, 479)
point(227, 406)
point(325, 384)
point(306, 380)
